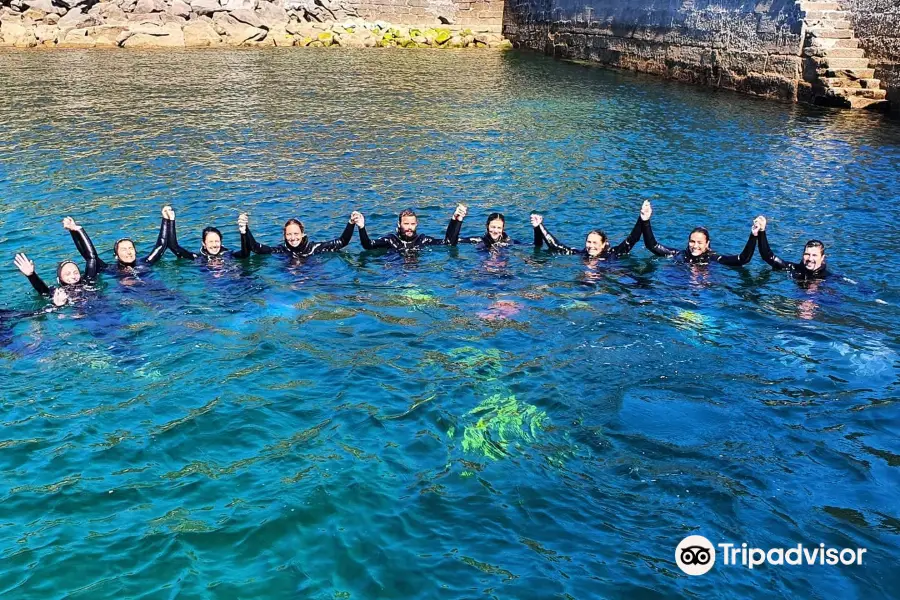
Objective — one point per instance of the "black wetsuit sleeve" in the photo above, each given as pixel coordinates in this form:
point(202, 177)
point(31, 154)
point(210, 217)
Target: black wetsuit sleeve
point(93, 264)
point(244, 252)
point(370, 244)
point(453, 229)
point(631, 241)
point(538, 237)
point(39, 286)
point(738, 260)
point(176, 249)
point(335, 244)
point(161, 241)
point(86, 248)
point(553, 244)
point(470, 240)
point(652, 245)
point(765, 252)
point(258, 248)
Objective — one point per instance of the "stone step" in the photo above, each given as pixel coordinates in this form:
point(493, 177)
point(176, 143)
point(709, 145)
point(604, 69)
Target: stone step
point(850, 73)
point(843, 53)
point(843, 82)
point(867, 103)
point(833, 34)
point(826, 14)
point(818, 42)
point(820, 6)
point(814, 24)
point(834, 62)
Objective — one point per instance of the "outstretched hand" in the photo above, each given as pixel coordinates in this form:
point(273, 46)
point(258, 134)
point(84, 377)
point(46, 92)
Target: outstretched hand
point(460, 213)
point(24, 265)
point(168, 213)
point(70, 224)
point(536, 220)
point(358, 219)
point(646, 210)
point(243, 222)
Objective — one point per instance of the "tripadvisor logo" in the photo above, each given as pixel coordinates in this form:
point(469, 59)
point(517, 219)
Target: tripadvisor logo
point(696, 555)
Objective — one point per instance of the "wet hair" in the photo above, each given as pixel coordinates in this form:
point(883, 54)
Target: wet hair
point(60, 266)
point(603, 237)
point(296, 222)
point(702, 230)
point(116, 245)
point(494, 217)
point(407, 213)
point(209, 230)
point(815, 244)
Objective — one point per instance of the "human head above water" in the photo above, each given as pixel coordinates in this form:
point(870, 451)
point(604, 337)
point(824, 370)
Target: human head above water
point(698, 241)
point(813, 255)
point(68, 273)
point(496, 225)
point(595, 243)
point(294, 232)
point(212, 240)
point(124, 251)
point(407, 223)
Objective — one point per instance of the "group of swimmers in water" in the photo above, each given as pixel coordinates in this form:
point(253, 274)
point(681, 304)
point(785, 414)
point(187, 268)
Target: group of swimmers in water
point(296, 244)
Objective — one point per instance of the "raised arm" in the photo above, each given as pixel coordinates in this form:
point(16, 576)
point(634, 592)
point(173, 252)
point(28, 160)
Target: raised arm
point(337, 243)
point(26, 267)
point(244, 229)
point(647, 230)
point(174, 246)
point(739, 260)
point(765, 252)
point(85, 247)
point(367, 243)
point(159, 248)
point(537, 221)
point(633, 238)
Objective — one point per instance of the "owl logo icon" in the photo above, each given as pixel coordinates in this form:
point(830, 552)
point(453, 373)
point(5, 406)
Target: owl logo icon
point(695, 555)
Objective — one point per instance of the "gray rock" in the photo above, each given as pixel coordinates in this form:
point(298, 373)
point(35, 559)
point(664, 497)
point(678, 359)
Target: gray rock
point(149, 6)
point(180, 8)
point(248, 17)
point(76, 19)
point(205, 7)
point(43, 5)
point(271, 14)
point(232, 5)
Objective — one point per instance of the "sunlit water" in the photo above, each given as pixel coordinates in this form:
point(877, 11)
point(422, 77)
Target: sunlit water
point(456, 424)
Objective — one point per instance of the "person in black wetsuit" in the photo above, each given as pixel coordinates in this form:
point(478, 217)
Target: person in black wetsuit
point(297, 244)
point(811, 267)
point(406, 237)
point(596, 244)
point(211, 242)
point(124, 250)
point(495, 235)
point(697, 251)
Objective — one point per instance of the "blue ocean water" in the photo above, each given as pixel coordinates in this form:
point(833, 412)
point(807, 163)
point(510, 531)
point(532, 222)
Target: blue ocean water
point(452, 424)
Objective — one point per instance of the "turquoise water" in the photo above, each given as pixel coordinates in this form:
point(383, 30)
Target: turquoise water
point(455, 424)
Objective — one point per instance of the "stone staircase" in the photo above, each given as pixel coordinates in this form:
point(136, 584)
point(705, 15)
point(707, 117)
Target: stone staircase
point(836, 69)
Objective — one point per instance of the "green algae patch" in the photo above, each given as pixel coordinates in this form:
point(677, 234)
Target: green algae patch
point(502, 421)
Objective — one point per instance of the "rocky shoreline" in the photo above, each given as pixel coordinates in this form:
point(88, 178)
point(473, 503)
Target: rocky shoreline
point(219, 23)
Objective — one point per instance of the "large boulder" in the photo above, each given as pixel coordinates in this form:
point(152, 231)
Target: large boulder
point(236, 33)
point(76, 19)
point(149, 6)
point(205, 7)
point(280, 37)
point(180, 8)
point(106, 36)
point(248, 17)
point(271, 15)
point(16, 34)
point(42, 5)
point(199, 34)
point(46, 34)
point(149, 36)
point(76, 38)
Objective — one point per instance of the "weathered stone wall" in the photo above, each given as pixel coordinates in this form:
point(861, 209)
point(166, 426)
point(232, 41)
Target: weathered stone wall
point(467, 13)
point(877, 25)
point(746, 46)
